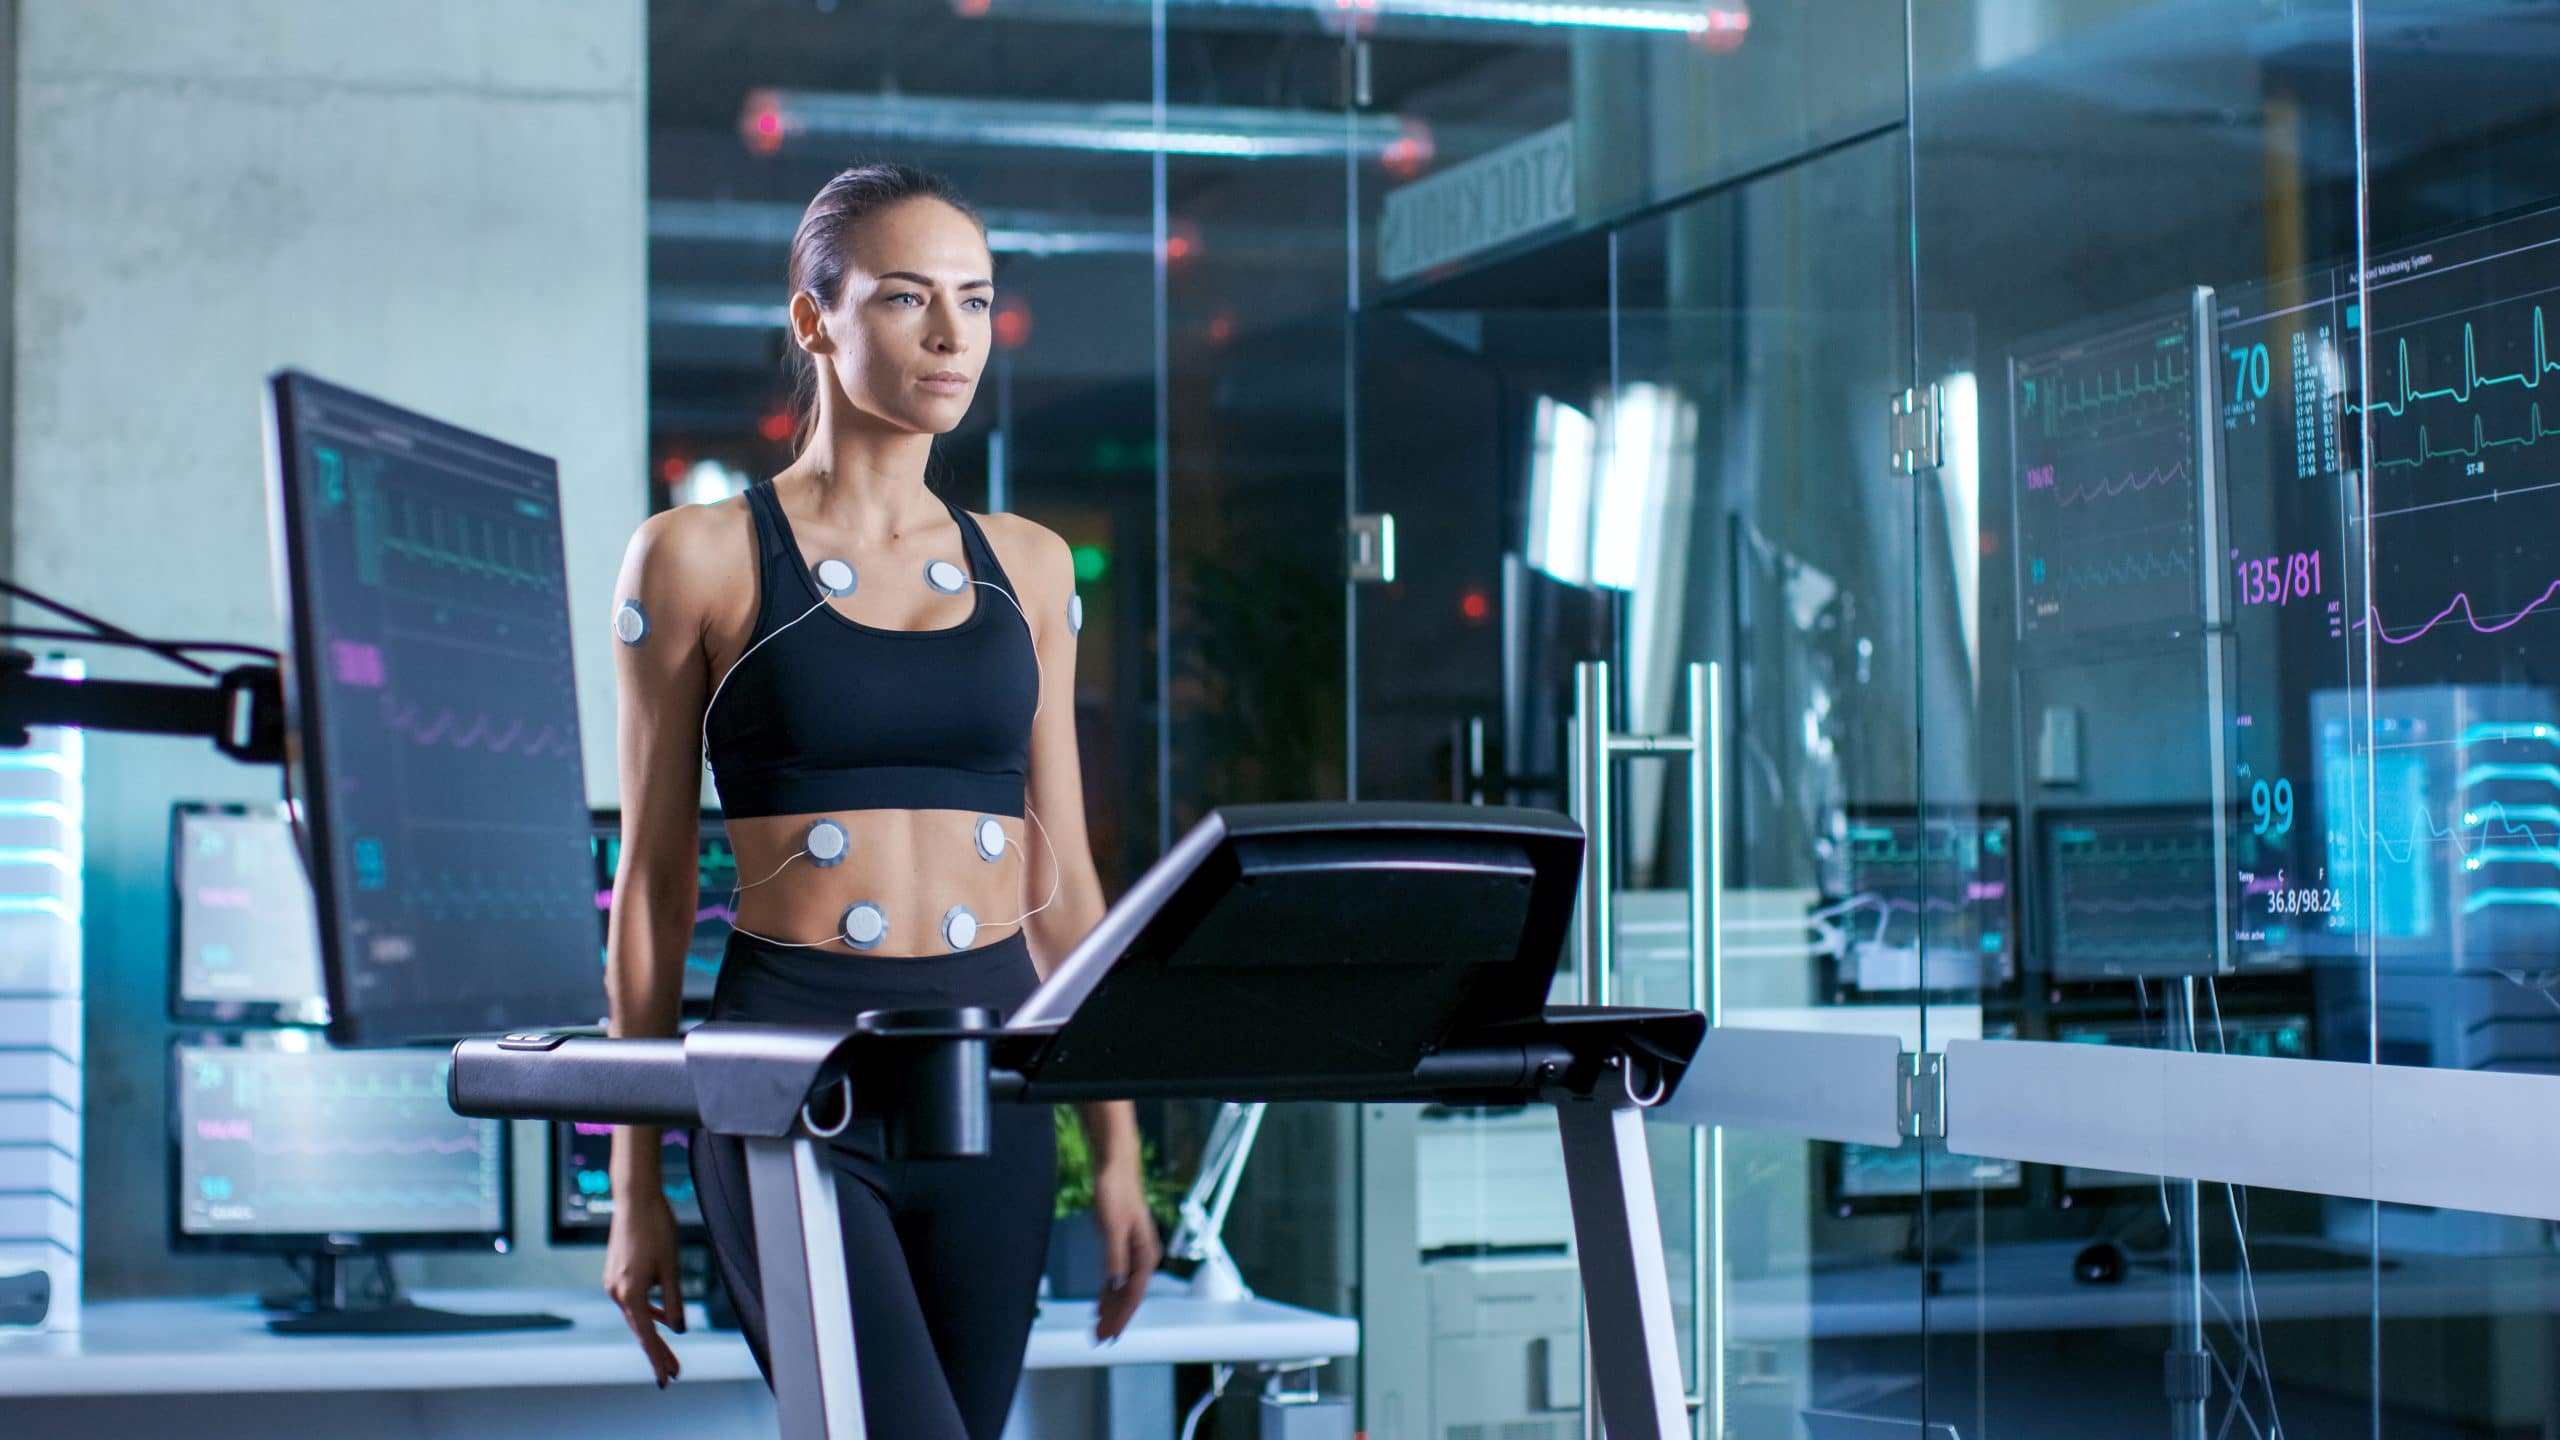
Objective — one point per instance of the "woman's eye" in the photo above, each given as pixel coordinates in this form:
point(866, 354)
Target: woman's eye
point(978, 302)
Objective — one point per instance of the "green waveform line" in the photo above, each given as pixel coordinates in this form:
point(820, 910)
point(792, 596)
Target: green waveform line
point(2472, 380)
point(2059, 406)
point(2534, 434)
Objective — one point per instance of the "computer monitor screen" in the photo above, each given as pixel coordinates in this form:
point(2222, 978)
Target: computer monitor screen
point(284, 1143)
point(247, 948)
point(2112, 511)
point(582, 1181)
point(1929, 902)
point(433, 720)
point(2131, 893)
point(714, 908)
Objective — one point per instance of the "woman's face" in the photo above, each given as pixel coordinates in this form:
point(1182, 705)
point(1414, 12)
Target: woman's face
point(909, 335)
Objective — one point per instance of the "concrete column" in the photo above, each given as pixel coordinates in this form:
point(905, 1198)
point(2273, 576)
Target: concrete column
point(442, 204)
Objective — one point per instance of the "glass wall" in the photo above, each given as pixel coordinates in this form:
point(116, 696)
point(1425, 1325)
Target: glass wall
point(2090, 449)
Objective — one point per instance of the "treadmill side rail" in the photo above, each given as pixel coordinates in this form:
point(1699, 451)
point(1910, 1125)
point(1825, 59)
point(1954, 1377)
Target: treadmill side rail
point(1626, 1290)
point(817, 1386)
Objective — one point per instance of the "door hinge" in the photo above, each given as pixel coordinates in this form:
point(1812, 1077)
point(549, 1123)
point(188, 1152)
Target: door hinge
point(1915, 430)
point(1921, 1087)
point(1373, 548)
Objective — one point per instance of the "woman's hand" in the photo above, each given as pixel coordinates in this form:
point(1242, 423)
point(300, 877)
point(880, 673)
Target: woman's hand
point(1130, 1249)
point(640, 1255)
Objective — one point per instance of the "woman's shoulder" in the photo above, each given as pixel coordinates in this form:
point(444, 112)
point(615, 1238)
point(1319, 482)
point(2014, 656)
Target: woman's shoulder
point(1032, 554)
point(690, 555)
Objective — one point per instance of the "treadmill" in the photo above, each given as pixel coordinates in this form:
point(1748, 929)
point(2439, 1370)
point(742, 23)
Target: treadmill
point(1365, 953)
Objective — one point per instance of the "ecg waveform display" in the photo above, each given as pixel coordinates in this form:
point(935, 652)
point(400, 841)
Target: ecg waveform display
point(246, 932)
point(2131, 893)
point(582, 1177)
point(439, 700)
point(311, 1141)
point(2106, 449)
point(714, 914)
point(1929, 903)
point(2465, 491)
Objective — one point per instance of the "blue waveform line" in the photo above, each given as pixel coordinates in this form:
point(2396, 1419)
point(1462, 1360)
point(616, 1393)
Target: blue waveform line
point(2487, 773)
point(2478, 818)
point(2124, 570)
point(2472, 380)
point(2479, 900)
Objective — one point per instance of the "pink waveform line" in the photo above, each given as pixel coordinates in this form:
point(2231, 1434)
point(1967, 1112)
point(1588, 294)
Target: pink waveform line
point(222, 1129)
point(2461, 602)
point(584, 1128)
point(2096, 488)
point(333, 1146)
point(219, 897)
point(2267, 885)
point(403, 718)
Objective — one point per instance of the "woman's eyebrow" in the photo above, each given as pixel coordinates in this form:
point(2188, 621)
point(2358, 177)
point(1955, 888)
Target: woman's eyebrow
point(926, 281)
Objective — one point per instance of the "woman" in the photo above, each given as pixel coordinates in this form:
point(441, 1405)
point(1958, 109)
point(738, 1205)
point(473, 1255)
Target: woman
point(899, 780)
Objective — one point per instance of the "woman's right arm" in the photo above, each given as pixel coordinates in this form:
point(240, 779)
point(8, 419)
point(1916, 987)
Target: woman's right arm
point(660, 679)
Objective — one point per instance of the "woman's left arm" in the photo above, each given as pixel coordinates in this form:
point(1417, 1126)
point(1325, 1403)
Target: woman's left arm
point(1060, 854)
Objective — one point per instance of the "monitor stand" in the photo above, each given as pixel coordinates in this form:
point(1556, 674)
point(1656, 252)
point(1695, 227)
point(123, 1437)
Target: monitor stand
point(328, 1310)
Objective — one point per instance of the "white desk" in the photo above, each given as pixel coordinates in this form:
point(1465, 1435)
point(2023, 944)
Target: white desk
point(118, 1375)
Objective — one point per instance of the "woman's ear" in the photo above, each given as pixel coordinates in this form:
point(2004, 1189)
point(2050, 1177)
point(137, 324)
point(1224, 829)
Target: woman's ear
point(809, 325)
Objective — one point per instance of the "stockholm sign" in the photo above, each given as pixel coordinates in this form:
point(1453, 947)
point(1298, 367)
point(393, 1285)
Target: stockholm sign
point(1523, 187)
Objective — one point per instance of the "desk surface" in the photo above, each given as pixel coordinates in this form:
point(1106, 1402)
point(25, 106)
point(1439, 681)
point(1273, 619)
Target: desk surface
point(2028, 1286)
point(211, 1346)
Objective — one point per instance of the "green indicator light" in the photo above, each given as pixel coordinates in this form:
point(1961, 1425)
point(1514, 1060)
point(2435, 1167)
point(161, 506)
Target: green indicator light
point(1091, 561)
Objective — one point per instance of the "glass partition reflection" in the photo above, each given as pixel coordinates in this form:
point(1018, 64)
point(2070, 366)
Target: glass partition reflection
point(2136, 236)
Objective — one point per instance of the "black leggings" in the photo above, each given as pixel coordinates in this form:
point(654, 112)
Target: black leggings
point(943, 1257)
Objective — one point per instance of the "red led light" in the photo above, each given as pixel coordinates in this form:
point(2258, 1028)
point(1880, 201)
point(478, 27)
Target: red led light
point(1222, 327)
point(1410, 153)
point(762, 124)
point(1178, 248)
point(970, 9)
point(1475, 606)
point(672, 468)
point(1726, 29)
point(776, 426)
point(1013, 326)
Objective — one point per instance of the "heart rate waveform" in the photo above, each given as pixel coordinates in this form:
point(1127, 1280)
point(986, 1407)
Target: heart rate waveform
point(2107, 389)
point(2132, 892)
point(1928, 903)
point(2105, 441)
point(2536, 364)
point(300, 1141)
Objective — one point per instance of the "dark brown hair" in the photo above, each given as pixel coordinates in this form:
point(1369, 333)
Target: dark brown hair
point(818, 252)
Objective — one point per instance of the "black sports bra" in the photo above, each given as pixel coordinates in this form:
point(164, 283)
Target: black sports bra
point(830, 714)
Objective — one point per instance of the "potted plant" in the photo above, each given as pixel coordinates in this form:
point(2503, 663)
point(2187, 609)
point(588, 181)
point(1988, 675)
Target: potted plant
point(1075, 1247)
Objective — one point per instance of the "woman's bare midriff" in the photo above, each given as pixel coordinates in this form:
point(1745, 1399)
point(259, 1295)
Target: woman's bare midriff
point(914, 864)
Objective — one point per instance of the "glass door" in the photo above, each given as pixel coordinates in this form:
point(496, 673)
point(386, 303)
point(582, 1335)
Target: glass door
point(1629, 309)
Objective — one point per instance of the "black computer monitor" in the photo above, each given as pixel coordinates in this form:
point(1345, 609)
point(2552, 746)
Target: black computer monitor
point(244, 948)
point(582, 1182)
point(432, 721)
point(2130, 892)
point(713, 915)
point(280, 1142)
point(1924, 901)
